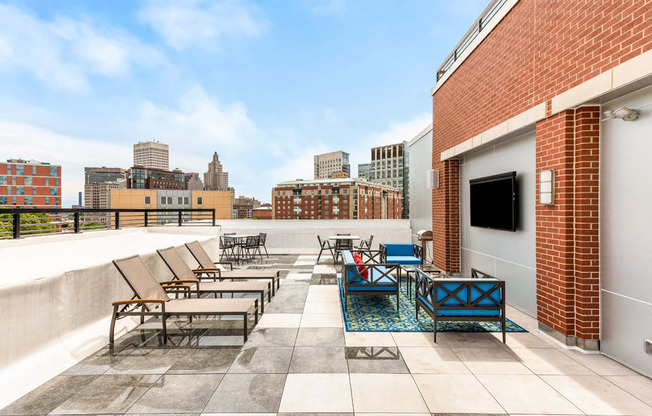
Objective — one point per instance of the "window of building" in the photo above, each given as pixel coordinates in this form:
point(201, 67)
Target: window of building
point(53, 191)
point(20, 170)
point(163, 199)
point(13, 200)
point(148, 200)
point(8, 190)
point(169, 200)
point(180, 200)
point(3, 180)
point(34, 170)
point(186, 200)
point(20, 190)
point(58, 183)
point(200, 200)
point(33, 190)
point(47, 181)
point(53, 171)
point(47, 200)
point(8, 169)
point(28, 200)
point(58, 201)
point(28, 180)
point(3, 200)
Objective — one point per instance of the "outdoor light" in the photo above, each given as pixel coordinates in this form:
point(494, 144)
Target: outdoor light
point(623, 113)
point(547, 187)
point(432, 179)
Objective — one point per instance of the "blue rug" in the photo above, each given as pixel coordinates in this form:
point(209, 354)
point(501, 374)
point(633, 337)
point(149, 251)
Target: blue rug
point(378, 314)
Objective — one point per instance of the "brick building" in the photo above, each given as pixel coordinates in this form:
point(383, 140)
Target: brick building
point(526, 93)
point(140, 177)
point(243, 207)
point(30, 184)
point(335, 199)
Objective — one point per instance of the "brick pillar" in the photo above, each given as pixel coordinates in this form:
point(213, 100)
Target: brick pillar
point(446, 217)
point(567, 232)
point(587, 245)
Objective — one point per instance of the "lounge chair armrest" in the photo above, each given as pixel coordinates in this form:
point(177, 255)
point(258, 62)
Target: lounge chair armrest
point(230, 263)
point(179, 282)
point(125, 302)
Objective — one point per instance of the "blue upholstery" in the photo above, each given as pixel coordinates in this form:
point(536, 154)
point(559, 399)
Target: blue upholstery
point(403, 260)
point(461, 312)
point(399, 250)
point(358, 284)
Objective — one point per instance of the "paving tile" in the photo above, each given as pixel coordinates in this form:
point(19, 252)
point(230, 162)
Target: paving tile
point(527, 394)
point(178, 394)
point(324, 289)
point(238, 414)
point(318, 360)
point(468, 339)
point(490, 361)
point(322, 320)
point(323, 279)
point(548, 361)
point(279, 320)
point(523, 340)
point(369, 339)
point(272, 337)
point(262, 360)
point(146, 361)
point(205, 360)
point(387, 360)
point(322, 296)
point(108, 394)
point(293, 307)
point(456, 393)
point(323, 307)
point(306, 393)
point(47, 396)
point(326, 269)
point(595, 395)
point(95, 364)
point(386, 393)
point(247, 393)
point(326, 337)
point(433, 360)
point(599, 364)
point(416, 339)
point(638, 386)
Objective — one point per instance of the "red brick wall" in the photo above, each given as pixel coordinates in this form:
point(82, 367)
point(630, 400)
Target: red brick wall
point(539, 50)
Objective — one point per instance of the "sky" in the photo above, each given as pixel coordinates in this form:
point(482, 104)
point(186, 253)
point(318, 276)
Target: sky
point(266, 84)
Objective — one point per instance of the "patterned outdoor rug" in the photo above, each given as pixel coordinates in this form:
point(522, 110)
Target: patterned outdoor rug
point(378, 314)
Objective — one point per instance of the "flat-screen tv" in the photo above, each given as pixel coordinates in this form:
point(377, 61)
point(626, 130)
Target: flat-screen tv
point(494, 202)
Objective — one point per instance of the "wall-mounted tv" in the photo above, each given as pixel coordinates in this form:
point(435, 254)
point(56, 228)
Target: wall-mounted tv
point(494, 202)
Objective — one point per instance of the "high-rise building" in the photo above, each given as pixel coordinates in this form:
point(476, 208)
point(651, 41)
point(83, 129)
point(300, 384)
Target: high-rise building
point(192, 181)
point(243, 207)
point(97, 188)
point(216, 179)
point(335, 199)
point(139, 177)
point(389, 166)
point(152, 155)
point(331, 163)
point(364, 171)
point(30, 184)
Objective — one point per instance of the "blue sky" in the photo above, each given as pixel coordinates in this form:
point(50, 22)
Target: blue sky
point(266, 84)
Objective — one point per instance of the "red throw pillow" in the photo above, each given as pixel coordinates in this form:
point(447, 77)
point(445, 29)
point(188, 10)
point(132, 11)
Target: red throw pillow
point(364, 271)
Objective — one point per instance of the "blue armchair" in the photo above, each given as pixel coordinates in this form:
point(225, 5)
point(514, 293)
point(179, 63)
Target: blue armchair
point(404, 254)
point(379, 282)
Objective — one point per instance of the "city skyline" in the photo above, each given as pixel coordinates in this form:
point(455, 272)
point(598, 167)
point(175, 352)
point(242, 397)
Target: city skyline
point(116, 73)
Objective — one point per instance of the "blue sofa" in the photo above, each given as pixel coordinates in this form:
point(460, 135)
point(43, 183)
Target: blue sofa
point(479, 298)
point(382, 279)
point(403, 254)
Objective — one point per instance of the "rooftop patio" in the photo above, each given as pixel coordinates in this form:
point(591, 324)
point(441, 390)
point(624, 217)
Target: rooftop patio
point(300, 359)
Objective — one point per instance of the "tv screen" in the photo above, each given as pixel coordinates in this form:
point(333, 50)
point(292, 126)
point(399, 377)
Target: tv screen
point(493, 202)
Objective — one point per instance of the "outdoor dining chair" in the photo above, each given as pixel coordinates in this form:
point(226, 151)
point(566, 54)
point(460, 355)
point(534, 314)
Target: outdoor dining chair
point(365, 244)
point(262, 241)
point(324, 245)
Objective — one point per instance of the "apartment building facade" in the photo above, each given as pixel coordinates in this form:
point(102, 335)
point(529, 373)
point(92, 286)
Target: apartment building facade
point(390, 167)
point(364, 171)
point(152, 155)
point(334, 163)
point(140, 177)
point(335, 199)
point(559, 93)
point(30, 184)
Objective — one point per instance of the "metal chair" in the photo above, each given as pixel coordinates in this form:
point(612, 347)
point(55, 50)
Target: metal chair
point(251, 245)
point(261, 243)
point(365, 244)
point(227, 248)
point(342, 244)
point(324, 245)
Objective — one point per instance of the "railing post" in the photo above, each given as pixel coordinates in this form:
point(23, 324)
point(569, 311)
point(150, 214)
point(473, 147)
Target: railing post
point(146, 218)
point(213, 217)
point(180, 217)
point(76, 217)
point(16, 225)
point(117, 220)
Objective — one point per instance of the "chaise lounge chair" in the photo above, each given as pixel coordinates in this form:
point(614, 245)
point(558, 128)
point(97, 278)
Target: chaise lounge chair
point(151, 298)
point(183, 275)
point(208, 268)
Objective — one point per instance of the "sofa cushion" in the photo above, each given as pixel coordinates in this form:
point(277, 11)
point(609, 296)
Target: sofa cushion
point(360, 285)
point(403, 260)
point(399, 249)
point(460, 312)
point(348, 257)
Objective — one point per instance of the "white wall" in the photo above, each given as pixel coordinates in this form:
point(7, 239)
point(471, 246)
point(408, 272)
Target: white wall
point(508, 255)
point(420, 149)
point(626, 232)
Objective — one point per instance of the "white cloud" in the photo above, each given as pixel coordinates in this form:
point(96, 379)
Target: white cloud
point(63, 52)
point(203, 24)
point(72, 153)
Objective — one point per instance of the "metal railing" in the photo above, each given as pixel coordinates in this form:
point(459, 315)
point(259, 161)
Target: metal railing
point(25, 222)
point(470, 35)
